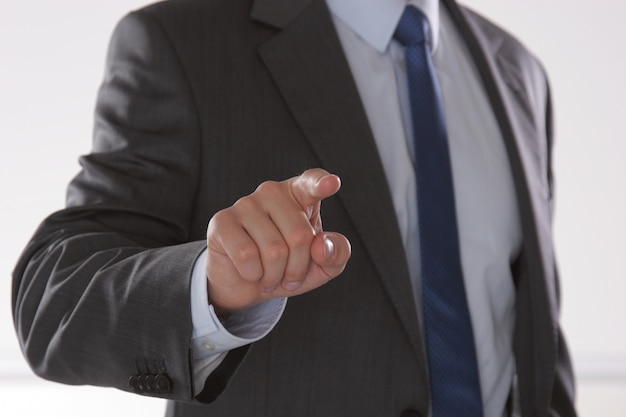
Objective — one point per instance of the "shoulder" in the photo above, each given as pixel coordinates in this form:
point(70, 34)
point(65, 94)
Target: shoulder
point(512, 62)
point(500, 43)
point(193, 14)
point(197, 27)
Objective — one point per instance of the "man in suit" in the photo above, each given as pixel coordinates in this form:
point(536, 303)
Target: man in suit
point(238, 112)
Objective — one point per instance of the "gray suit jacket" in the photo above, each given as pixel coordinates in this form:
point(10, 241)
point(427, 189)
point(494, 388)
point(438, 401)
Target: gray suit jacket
point(202, 100)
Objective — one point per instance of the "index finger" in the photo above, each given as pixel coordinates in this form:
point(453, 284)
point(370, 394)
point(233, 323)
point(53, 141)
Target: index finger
point(314, 185)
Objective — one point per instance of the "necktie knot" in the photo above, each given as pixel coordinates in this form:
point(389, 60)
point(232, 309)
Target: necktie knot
point(413, 28)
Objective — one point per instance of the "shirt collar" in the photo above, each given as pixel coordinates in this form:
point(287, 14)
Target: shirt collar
point(374, 21)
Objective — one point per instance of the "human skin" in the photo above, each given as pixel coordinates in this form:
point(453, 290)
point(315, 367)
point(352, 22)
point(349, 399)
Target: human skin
point(271, 243)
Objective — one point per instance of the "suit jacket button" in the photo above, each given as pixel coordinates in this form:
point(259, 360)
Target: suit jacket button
point(149, 382)
point(133, 383)
point(410, 413)
point(141, 383)
point(163, 384)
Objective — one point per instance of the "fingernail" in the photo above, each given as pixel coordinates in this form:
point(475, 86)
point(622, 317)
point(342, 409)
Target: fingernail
point(270, 289)
point(329, 247)
point(322, 179)
point(292, 286)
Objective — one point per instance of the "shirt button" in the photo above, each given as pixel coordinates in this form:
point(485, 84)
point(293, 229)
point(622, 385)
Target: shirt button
point(208, 345)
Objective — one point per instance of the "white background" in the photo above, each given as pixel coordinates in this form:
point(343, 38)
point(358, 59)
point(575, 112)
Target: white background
point(51, 62)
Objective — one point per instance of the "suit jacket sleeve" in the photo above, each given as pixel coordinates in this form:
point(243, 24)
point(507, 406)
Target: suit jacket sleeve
point(101, 293)
point(564, 389)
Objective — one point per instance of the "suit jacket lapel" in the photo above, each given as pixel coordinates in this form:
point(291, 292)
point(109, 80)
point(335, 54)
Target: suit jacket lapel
point(308, 65)
point(309, 68)
point(536, 326)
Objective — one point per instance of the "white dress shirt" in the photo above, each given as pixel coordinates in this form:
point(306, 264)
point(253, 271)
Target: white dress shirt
point(488, 218)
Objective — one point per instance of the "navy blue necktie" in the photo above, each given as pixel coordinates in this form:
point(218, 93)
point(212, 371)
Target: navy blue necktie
point(455, 385)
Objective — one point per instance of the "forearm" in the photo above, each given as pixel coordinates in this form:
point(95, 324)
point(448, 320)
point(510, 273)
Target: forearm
point(213, 338)
point(97, 308)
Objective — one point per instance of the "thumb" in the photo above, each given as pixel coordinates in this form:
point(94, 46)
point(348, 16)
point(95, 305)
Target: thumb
point(331, 251)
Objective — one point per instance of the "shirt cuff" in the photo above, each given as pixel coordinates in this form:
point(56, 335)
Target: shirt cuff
point(211, 336)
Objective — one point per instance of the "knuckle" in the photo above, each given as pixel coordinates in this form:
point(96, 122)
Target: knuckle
point(217, 223)
point(269, 187)
point(300, 237)
point(276, 250)
point(245, 254)
point(245, 204)
point(219, 218)
point(293, 274)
